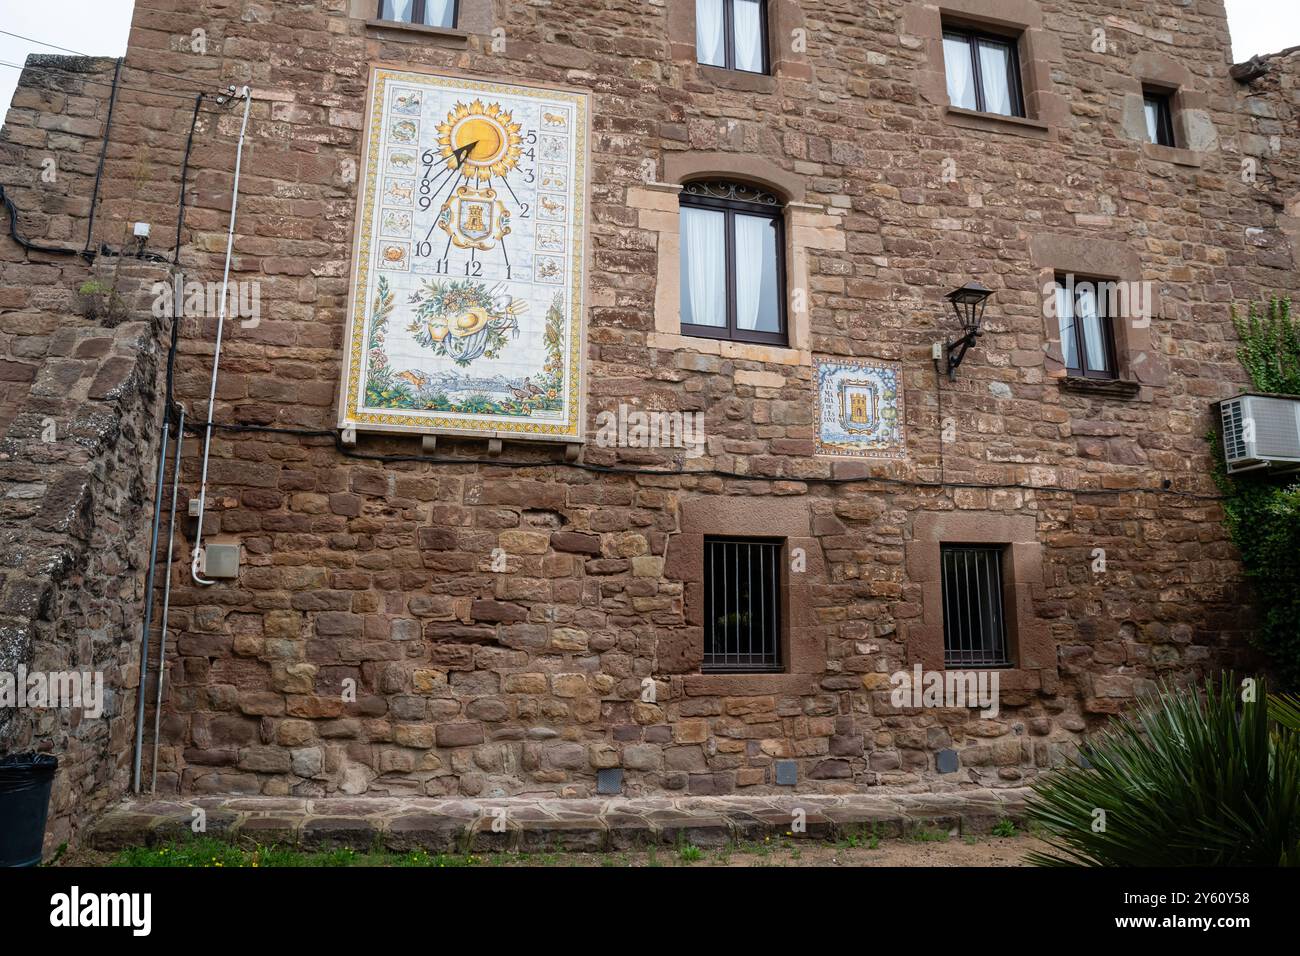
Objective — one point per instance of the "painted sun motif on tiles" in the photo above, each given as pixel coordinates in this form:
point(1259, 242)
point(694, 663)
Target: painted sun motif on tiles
point(467, 300)
point(490, 134)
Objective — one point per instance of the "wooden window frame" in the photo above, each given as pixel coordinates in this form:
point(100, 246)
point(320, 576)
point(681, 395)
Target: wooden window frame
point(731, 208)
point(1014, 84)
point(1164, 102)
point(417, 15)
point(729, 40)
point(1106, 323)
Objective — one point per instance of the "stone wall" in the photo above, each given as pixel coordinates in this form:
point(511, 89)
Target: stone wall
point(1269, 98)
point(379, 574)
point(80, 402)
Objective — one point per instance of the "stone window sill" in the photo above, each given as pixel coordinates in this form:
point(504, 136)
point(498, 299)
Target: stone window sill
point(998, 123)
point(1171, 154)
point(1114, 388)
point(737, 79)
point(725, 348)
point(445, 36)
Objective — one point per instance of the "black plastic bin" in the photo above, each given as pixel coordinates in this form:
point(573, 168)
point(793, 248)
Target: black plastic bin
point(25, 782)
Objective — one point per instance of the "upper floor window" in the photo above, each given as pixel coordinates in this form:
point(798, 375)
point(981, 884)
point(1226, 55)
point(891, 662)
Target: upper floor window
point(983, 73)
point(431, 13)
point(732, 263)
point(732, 34)
point(1084, 312)
point(1160, 117)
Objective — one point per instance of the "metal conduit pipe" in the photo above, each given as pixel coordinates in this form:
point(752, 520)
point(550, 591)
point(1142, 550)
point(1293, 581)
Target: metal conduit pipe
point(178, 286)
point(167, 599)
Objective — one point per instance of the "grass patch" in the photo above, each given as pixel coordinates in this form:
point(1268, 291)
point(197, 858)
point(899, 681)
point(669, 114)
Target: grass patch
point(1006, 827)
point(924, 834)
point(689, 853)
point(860, 836)
point(208, 852)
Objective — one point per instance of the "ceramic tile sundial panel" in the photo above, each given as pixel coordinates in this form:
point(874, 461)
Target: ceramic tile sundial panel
point(467, 296)
point(860, 408)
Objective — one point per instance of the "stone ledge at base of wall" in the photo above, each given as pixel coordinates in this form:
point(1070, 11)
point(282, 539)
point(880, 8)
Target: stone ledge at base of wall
point(581, 825)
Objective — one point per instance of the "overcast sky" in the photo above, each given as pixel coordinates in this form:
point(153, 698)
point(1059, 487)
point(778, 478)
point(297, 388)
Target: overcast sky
point(100, 27)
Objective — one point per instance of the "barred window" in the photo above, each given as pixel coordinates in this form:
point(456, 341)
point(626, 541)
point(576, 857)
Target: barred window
point(974, 627)
point(742, 605)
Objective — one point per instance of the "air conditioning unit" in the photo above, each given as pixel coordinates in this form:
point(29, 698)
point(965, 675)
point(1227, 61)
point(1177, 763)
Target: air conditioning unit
point(1261, 431)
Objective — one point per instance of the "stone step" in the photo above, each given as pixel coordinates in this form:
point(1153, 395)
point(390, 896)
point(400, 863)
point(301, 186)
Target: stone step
point(533, 825)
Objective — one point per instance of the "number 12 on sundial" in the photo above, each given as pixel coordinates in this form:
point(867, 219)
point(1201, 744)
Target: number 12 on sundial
point(470, 261)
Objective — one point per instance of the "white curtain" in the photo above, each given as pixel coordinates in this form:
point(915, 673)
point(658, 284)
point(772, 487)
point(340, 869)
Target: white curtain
point(995, 64)
point(961, 81)
point(751, 257)
point(1153, 121)
point(439, 13)
point(708, 32)
point(704, 267)
point(397, 10)
point(1093, 342)
point(748, 26)
point(1065, 320)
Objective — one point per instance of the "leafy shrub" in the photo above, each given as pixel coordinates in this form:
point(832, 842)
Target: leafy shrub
point(1189, 780)
point(1263, 513)
point(1270, 346)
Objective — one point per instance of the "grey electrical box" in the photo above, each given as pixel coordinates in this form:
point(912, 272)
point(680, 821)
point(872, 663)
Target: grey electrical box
point(221, 561)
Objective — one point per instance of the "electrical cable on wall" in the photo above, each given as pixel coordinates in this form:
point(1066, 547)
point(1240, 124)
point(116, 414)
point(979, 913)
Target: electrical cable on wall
point(347, 452)
point(86, 80)
point(197, 558)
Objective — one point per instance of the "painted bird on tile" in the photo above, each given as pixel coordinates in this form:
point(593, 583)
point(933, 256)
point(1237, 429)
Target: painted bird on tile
point(528, 391)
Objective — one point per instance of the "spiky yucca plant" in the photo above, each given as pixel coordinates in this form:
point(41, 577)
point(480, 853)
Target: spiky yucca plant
point(1188, 780)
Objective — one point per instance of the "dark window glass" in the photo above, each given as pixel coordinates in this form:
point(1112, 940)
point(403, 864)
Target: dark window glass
point(1160, 118)
point(433, 13)
point(732, 263)
point(983, 73)
point(1084, 310)
point(732, 34)
point(742, 605)
point(974, 628)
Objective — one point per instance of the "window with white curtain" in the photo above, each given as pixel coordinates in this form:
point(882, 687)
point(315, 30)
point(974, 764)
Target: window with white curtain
point(431, 13)
point(732, 263)
point(1083, 308)
point(1160, 117)
point(983, 73)
point(732, 34)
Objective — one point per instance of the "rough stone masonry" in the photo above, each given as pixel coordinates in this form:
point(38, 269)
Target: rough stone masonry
point(379, 576)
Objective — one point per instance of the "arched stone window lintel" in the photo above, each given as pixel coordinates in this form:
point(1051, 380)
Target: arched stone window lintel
point(690, 167)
